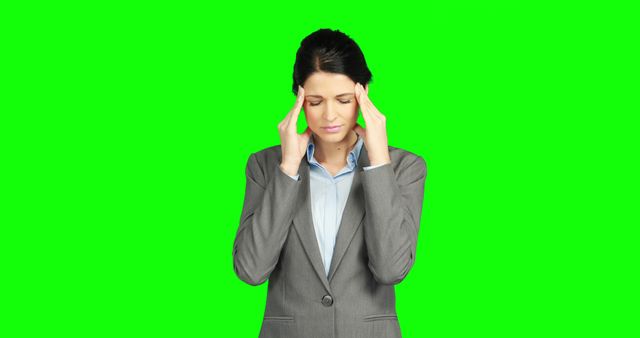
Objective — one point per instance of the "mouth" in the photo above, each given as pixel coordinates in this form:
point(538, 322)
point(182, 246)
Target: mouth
point(332, 128)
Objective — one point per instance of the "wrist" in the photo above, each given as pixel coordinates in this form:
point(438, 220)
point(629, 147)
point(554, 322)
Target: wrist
point(379, 160)
point(289, 169)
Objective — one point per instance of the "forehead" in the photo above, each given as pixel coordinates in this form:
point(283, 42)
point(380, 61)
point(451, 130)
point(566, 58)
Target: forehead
point(328, 84)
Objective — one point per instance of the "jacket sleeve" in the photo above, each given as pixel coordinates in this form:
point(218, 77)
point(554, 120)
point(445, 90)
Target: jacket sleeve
point(393, 207)
point(264, 223)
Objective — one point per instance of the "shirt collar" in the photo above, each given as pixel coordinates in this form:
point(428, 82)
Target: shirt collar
point(352, 158)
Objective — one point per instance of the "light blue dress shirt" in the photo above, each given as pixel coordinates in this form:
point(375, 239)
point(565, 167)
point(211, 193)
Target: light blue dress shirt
point(329, 197)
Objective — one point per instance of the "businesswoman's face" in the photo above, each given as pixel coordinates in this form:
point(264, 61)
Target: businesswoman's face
point(330, 101)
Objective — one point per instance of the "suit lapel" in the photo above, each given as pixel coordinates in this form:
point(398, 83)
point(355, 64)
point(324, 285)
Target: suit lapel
point(303, 222)
point(352, 214)
point(351, 217)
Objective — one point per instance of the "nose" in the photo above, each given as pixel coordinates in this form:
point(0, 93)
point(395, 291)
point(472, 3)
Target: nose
point(329, 113)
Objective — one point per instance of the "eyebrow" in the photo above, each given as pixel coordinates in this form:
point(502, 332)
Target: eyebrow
point(339, 95)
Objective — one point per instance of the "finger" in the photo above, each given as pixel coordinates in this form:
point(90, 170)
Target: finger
point(293, 123)
point(364, 108)
point(366, 101)
point(286, 119)
point(365, 98)
point(295, 111)
point(359, 99)
point(299, 99)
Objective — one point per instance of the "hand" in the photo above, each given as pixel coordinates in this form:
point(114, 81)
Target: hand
point(294, 145)
point(375, 136)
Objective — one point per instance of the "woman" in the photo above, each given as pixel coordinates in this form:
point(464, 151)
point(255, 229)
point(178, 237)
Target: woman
point(330, 216)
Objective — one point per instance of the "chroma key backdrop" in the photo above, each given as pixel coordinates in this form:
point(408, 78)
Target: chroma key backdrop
point(127, 126)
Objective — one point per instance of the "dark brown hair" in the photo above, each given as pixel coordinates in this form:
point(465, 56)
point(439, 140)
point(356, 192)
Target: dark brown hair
point(330, 51)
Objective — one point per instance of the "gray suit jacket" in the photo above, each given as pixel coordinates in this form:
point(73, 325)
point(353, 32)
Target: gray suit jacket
point(375, 247)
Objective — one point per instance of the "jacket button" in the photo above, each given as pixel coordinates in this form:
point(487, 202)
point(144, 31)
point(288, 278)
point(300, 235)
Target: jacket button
point(327, 300)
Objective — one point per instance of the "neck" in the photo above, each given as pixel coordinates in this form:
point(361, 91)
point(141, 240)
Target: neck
point(334, 153)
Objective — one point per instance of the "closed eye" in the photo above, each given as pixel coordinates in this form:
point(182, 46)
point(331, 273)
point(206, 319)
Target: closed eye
point(343, 102)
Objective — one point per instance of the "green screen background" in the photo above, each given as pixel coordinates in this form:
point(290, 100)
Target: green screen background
point(126, 129)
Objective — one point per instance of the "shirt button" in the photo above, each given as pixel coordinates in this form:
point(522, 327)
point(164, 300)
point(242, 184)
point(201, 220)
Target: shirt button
point(327, 300)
